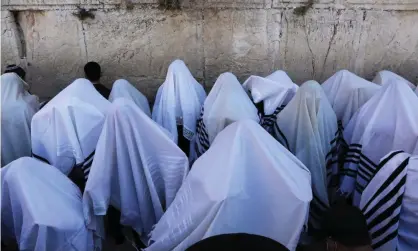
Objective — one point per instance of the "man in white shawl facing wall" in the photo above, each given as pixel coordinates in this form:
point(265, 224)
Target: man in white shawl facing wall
point(387, 122)
point(307, 126)
point(41, 209)
point(65, 131)
point(123, 89)
point(385, 77)
point(137, 169)
point(270, 97)
point(246, 182)
point(178, 104)
point(17, 109)
point(390, 203)
point(226, 103)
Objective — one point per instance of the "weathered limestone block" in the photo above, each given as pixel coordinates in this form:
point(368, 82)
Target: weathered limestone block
point(10, 44)
point(390, 41)
point(316, 45)
point(54, 49)
point(237, 41)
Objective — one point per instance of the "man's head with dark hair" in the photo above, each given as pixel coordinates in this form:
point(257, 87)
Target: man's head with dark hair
point(16, 69)
point(92, 71)
point(347, 225)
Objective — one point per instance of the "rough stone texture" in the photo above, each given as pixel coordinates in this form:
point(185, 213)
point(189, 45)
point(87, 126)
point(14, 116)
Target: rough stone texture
point(137, 40)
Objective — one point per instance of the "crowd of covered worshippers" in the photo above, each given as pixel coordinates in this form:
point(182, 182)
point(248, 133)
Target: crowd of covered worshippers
point(263, 165)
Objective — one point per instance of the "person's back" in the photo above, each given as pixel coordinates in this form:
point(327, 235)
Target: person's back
point(92, 71)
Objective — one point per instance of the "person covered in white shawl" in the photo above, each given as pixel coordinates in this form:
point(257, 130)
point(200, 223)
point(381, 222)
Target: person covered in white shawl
point(246, 182)
point(178, 104)
point(17, 109)
point(283, 78)
point(65, 132)
point(137, 169)
point(270, 97)
point(307, 127)
point(385, 77)
point(226, 103)
point(387, 122)
point(390, 203)
point(41, 209)
point(123, 89)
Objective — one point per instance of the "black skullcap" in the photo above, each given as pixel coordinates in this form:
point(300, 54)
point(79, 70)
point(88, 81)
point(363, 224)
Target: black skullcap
point(92, 71)
point(347, 225)
point(16, 69)
point(236, 242)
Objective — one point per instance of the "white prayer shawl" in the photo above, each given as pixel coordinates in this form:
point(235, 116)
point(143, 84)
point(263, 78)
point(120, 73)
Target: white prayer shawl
point(245, 183)
point(226, 103)
point(17, 110)
point(179, 101)
point(123, 89)
point(390, 204)
point(307, 126)
point(347, 92)
point(384, 77)
point(387, 122)
point(65, 131)
point(42, 209)
point(137, 169)
point(416, 90)
point(282, 78)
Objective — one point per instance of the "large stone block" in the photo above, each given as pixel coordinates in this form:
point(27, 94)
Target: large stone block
point(390, 41)
point(142, 44)
point(317, 44)
point(10, 44)
point(54, 50)
point(238, 41)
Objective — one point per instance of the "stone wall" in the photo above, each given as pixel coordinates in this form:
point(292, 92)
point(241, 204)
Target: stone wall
point(137, 39)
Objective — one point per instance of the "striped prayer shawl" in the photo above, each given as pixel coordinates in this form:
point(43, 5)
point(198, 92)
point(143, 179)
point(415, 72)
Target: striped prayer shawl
point(202, 143)
point(382, 199)
point(85, 165)
point(268, 121)
point(332, 160)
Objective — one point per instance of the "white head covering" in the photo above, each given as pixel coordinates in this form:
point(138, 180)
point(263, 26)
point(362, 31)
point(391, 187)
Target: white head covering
point(282, 78)
point(384, 77)
point(17, 109)
point(347, 92)
point(123, 89)
point(390, 203)
point(245, 183)
point(387, 122)
point(42, 208)
point(271, 93)
point(137, 169)
point(307, 126)
point(65, 131)
point(226, 103)
point(416, 90)
point(179, 99)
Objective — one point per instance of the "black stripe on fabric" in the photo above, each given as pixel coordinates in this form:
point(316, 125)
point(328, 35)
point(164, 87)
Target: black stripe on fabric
point(349, 172)
point(386, 160)
point(383, 201)
point(363, 165)
point(391, 178)
point(282, 135)
point(359, 188)
point(363, 175)
point(385, 240)
point(383, 230)
point(40, 158)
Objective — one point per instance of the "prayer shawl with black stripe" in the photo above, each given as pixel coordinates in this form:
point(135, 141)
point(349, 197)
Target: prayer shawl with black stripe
point(137, 169)
point(17, 109)
point(42, 209)
point(226, 103)
point(246, 182)
point(272, 95)
point(307, 126)
point(387, 122)
point(178, 102)
point(65, 132)
point(390, 203)
point(384, 77)
point(123, 89)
